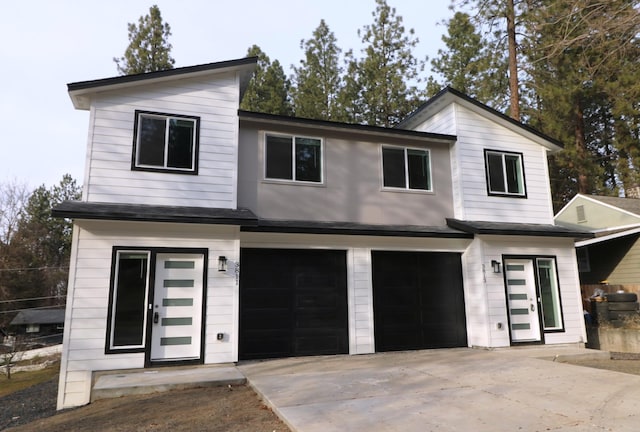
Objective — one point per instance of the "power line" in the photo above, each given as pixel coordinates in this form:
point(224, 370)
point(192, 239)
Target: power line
point(29, 299)
point(33, 268)
point(35, 308)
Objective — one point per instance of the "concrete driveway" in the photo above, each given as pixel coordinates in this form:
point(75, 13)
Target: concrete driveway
point(447, 390)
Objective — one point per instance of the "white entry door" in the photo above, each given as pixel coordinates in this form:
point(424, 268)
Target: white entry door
point(522, 300)
point(176, 330)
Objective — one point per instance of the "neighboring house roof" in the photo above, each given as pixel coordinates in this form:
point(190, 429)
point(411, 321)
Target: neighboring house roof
point(343, 127)
point(609, 236)
point(449, 95)
point(632, 205)
point(350, 228)
point(519, 229)
point(39, 316)
point(79, 91)
point(153, 213)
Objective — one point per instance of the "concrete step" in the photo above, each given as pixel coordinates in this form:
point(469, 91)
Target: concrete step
point(112, 384)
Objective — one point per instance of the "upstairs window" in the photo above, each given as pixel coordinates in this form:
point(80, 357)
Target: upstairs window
point(293, 158)
point(505, 173)
point(166, 142)
point(406, 168)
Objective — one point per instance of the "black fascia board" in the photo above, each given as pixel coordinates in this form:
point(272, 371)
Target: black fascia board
point(351, 228)
point(479, 104)
point(516, 229)
point(302, 121)
point(153, 213)
point(81, 85)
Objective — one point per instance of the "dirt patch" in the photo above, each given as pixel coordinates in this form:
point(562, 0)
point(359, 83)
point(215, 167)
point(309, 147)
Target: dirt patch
point(630, 366)
point(235, 408)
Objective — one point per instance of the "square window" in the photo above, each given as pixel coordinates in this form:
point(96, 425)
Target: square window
point(406, 168)
point(293, 158)
point(165, 142)
point(505, 173)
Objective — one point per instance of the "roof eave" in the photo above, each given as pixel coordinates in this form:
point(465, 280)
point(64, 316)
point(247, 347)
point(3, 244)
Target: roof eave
point(251, 116)
point(450, 95)
point(81, 92)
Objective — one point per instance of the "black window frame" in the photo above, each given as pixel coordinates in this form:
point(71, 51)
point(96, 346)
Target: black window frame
point(506, 192)
point(152, 253)
point(110, 348)
point(136, 166)
point(406, 168)
point(293, 173)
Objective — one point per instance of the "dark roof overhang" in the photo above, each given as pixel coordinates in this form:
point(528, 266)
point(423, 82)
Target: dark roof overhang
point(449, 93)
point(516, 229)
point(80, 91)
point(343, 127)
point(351, 228)
point(153, 213)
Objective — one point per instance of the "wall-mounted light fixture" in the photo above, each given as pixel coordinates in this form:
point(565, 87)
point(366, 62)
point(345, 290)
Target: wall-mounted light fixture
point(496, 266)
point(222, 263)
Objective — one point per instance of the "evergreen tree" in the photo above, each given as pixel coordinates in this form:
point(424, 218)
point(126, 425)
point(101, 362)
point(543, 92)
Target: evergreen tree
point(149, 49)
point(318, 79)
point(36, 259)
point(468, 65)
point(268, 90)
point(500, 19)
point(386, 77)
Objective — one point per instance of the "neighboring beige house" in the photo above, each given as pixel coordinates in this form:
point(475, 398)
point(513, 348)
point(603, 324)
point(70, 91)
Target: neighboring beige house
point(208, 235)
point(614, 254)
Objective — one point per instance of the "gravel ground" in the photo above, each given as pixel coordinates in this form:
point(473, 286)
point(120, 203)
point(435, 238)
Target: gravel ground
point(32, 403)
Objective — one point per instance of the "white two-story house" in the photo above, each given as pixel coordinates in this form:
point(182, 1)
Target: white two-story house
point(209, 235)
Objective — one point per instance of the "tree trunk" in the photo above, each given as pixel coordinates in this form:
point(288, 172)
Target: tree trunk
point(514, 91)
point(581, 148)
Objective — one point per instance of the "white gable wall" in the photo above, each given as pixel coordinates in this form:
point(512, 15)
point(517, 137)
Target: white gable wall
point(471, 199)
point(109, 177)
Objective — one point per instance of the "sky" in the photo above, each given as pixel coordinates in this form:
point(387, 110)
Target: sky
point(44, 45)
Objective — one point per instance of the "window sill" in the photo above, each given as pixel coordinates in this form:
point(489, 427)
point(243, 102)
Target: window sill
point(293, 183)
point(502, 195)
point(409, 191)
point(164, 170)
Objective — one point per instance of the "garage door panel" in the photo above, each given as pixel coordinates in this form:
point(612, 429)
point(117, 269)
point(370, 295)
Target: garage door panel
point(311, 303)
point(418, 300)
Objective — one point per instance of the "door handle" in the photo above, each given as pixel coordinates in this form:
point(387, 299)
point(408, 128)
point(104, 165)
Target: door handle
point(533, 308)
point(156, 317)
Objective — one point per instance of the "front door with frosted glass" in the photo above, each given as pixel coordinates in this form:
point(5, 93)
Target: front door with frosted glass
point(522, 300)
point(176, 329)
point(533, 298)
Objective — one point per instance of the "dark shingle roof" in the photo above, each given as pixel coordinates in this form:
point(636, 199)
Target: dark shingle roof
point(39, 316)
point(153, 213)
point(351, 228)
point(520, 229)
point(631, 205)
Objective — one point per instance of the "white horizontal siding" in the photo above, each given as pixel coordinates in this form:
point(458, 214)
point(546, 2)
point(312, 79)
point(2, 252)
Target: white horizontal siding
point(109, 175)
point(86, 325)
point(495, 247)
point(360, 302)
point(475, 297)
point(442, 122)
point(476, 134)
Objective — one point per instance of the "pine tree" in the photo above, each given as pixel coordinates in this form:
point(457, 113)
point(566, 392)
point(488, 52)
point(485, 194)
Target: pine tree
point(468, 65)
point(387, 76)
point(318, 78)
point(149, 49)
point(268, 90)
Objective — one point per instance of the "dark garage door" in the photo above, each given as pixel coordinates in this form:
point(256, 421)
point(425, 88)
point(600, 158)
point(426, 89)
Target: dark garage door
point(418, 300)
point(293, 303)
